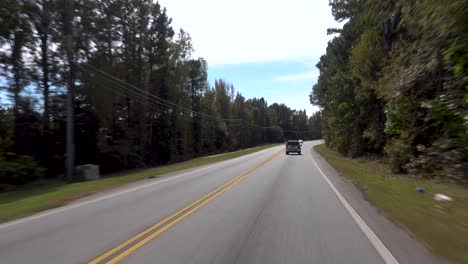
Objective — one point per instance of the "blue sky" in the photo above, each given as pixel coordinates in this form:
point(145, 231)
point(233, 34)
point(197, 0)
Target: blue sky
point(3, 97)
point(286, 82)
point(265, 48)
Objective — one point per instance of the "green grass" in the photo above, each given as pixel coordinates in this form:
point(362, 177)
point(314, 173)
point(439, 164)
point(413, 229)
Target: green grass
point(442, 226)
point(44, 195)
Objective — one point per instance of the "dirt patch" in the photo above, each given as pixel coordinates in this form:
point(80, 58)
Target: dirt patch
point(76, 196)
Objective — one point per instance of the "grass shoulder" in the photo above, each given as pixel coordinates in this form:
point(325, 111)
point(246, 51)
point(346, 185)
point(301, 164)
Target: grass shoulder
point(42, 195)
point(442, 226)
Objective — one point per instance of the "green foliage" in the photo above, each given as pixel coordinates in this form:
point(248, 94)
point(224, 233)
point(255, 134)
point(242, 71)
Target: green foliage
point(395, 81)
point(141, 98)
point(17, 170)
point(315, 125)
point(398, 154)
point(14, 169)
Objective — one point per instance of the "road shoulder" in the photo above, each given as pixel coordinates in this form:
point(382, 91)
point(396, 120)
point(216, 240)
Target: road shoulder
point(37, 198)
point(400, 243)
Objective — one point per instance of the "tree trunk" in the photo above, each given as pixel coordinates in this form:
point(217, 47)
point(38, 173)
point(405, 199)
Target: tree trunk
point(17, 72)
point(70, 50)
point(45, 83)
point(44, 35)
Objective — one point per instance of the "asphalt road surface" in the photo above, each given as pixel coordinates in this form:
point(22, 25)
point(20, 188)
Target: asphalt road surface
point(265, 207)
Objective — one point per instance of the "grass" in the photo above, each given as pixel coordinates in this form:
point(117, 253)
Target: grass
point(44, 195)
point(442, 226)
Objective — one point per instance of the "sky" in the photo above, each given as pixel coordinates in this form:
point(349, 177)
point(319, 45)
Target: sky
point(265, 48)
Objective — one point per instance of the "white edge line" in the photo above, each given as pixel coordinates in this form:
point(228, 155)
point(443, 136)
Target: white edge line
point(371, 236)
point(68, 207)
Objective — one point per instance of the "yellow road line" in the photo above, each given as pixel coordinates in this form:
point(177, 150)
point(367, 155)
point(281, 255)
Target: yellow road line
point(207, 198)
point(149, 229)
point(155, 226)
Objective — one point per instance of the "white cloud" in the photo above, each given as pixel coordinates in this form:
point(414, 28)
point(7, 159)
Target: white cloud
point(310, 74)
point(227, 32)
point(303, 76)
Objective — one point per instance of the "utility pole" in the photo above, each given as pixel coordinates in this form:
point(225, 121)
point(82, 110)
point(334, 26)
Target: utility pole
point(70, 51)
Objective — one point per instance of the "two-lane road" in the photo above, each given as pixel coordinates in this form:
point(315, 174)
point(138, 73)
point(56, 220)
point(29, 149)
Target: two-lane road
point(265, 207)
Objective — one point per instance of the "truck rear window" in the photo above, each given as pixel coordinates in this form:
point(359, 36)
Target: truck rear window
point(293, 143)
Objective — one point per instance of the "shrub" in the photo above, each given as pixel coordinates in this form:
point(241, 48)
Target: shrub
point(18, 170)
point(398, 154)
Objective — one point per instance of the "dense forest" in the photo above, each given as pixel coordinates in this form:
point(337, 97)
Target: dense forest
point(393, 81)
point(139, 97)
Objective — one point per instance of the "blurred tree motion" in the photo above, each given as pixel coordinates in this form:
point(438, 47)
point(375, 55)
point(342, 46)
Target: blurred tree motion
point(394, 81)
point(141, 99)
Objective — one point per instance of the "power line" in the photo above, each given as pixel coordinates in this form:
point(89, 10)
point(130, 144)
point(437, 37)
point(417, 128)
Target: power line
point(257, 126)
point(142, 99)
point(168, 105)
point(158, 98)
point(146, 100)
point(296, 131)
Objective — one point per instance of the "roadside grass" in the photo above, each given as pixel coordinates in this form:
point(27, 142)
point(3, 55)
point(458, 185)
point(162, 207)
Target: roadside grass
point(42, 195)
point(442, 226)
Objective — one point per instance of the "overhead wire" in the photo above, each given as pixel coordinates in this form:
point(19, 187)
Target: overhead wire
point(142, 99)
point(157, 97)
point(163, 104)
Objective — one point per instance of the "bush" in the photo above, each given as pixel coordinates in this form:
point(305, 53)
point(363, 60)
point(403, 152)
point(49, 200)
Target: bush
point(18, 170)
point(398, 154)
point(445, 158)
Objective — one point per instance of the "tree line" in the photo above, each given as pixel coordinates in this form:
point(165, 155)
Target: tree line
point(393, 81)
point(141, 99)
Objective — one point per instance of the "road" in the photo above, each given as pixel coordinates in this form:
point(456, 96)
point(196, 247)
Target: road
point(265, 207)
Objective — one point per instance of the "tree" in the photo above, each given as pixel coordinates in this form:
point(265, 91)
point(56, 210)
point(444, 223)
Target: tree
point(314, 125)
point(393, 82)
point(16, 34)
point(40, 14)
point(139, 98)
point(198, 82)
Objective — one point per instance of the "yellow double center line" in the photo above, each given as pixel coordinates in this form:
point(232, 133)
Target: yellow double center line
point(128, 247)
